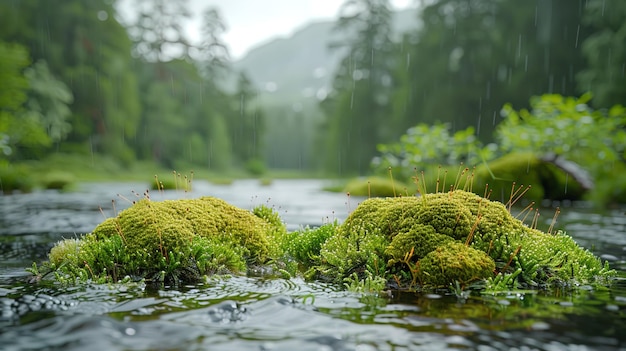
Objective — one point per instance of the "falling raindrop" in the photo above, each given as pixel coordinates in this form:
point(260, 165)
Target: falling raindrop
point(103, 15)
point(352, 100)
point(241, 104)
point(408, 60)
point(551, 84)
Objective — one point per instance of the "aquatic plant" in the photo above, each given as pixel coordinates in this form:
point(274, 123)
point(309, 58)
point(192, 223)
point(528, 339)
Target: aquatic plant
point(171, 241)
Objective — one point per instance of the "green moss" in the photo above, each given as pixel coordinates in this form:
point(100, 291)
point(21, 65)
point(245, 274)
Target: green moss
point(173, 241)
point(277, 231)
point(377, 186)
point(448, 238)
point(455, 262)
point(305, 245)
point(15, 178)
point(420, 239)
point(58, 180)
point(547, 181)
point(442, 239)
point(65, 250)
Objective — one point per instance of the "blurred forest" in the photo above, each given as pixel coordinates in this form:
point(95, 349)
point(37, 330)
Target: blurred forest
point(75, 80)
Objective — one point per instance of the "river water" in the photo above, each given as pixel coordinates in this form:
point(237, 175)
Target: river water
point(256, 313)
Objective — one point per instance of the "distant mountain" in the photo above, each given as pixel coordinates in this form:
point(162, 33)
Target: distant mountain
point(301, 67)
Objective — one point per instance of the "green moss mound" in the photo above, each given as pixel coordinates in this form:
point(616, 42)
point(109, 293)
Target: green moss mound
point(172, 241)
point(449, 238)
point(377, 186)
point(547, 180)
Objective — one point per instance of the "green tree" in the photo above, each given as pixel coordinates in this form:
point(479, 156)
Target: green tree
point(33, 104)
point(605, 51)
point(472, 56)
point(213, 52)
point(13, 93)
point(358, 108)
point(246, 123)
point(89, 50)
point(48, 104)
point(158, 33)
point(162, 123)
point(185, 117)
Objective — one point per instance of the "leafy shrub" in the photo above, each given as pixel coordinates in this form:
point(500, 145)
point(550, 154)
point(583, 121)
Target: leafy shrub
point(15, 178)
point(424, 147)
point(568, 127)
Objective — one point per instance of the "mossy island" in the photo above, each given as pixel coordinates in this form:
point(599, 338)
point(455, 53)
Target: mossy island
point(453, 239)
point(171, 242)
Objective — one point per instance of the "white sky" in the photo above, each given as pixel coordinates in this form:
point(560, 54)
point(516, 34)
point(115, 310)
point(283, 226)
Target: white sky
point(253, 22)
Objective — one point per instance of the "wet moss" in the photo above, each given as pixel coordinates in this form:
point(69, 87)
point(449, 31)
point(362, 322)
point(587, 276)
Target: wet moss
point(172, 241)
point(420, 239)
point(547, 180)
point(378, 186)
point(449, 238)
point(455, 262)
point(444, 239)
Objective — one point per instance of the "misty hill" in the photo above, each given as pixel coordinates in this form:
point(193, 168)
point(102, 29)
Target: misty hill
point(300, 67)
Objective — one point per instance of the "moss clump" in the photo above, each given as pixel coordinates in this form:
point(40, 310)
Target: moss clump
point(305, 245)
point(455, 262)
point(172, 241)
point(547, 180)
point(420, 239)
point(377, 186)
point(15, 178)
point(57, 180)
point(452, 237)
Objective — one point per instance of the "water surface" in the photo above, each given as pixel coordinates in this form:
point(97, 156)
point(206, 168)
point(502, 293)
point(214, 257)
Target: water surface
point(256, 313)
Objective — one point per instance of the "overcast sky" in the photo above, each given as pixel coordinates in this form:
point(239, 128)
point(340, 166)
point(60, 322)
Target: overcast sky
point(253, 22)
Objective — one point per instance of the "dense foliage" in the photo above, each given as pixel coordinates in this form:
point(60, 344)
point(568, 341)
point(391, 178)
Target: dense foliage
point(77, 80)
point(463, 63)
point(592, 141)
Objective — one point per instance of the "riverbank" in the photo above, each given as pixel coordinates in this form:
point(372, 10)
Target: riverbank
point(64, 171)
